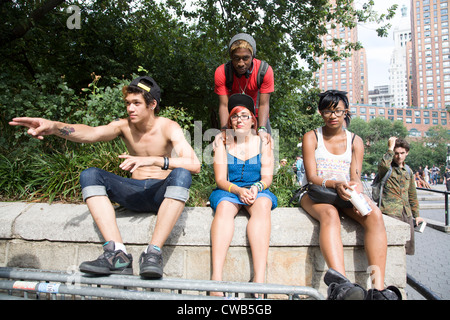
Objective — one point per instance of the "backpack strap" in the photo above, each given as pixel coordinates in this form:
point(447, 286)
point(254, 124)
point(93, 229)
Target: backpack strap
point(229, 75)
point(383, 182)
point(264, 66)
point(386, 177)
point(261, 73)
point(408, 169)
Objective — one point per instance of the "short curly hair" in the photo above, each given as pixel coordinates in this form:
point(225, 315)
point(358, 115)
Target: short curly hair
point(401, 143)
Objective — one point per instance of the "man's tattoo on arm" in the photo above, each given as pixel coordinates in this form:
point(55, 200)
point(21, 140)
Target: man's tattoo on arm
point(66, 131)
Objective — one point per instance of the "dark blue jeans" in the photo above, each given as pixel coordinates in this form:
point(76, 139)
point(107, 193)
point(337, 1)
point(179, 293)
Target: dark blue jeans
point(136, 195)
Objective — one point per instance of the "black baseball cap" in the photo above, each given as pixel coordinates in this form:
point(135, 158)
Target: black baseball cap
point(241, 100)
point(149, 85)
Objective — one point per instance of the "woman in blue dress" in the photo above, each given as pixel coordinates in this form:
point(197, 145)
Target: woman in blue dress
point(243, 168)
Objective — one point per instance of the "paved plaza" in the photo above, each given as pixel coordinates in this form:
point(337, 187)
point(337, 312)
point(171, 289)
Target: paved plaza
point(430, 265)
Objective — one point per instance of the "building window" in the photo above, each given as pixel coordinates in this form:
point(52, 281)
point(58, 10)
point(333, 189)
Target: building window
point(414, 133)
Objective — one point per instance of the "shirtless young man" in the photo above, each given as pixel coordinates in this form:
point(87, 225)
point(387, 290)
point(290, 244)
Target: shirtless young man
point(160, 160)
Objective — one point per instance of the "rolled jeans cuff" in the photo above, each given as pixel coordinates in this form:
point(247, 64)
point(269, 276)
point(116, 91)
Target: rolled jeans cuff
point(177, 193)
point(91, 191)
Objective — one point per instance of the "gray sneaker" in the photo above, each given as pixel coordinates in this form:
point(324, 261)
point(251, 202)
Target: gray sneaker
point(151, 263)
point(110, 262)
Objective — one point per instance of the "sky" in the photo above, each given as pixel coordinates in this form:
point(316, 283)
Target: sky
point(379, 50)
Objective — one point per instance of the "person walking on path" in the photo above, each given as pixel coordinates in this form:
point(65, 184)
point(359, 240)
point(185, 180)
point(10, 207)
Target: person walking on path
point(447, 179)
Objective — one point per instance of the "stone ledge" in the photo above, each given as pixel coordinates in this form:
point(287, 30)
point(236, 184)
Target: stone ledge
point(73, 223)
point(61, 236)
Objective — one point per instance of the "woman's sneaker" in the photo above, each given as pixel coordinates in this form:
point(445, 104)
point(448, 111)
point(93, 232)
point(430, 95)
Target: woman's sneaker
point(150, 263)
point(340, 288)
point(390, 293)
point(110, 262)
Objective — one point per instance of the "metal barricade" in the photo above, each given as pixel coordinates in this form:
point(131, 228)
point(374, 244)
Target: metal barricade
point(16, 283)
point(445, 193)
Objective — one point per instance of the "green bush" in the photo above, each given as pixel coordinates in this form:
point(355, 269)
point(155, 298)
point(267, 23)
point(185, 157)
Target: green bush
point(49, 170)
point(55, 176)
point(283, 185)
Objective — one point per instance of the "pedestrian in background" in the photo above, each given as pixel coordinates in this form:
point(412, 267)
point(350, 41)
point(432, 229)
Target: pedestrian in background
point(399, 198)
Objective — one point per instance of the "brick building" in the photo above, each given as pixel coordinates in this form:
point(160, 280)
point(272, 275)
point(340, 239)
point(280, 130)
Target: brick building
point(430, 57)
point(417, 121)
point(349, 74)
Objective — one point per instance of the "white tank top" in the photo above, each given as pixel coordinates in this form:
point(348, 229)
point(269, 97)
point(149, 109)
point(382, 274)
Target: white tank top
point(331, 166)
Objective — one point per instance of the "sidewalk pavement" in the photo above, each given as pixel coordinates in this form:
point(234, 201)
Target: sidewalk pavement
point(430, 265)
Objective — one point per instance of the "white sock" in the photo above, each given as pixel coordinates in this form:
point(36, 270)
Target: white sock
point(120, 246)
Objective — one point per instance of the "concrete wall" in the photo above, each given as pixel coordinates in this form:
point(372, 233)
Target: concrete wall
point(61, 236)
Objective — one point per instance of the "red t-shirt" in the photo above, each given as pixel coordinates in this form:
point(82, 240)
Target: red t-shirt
point(243, 85)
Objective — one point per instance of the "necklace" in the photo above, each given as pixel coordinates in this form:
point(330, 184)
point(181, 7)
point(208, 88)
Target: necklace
point(246, 83)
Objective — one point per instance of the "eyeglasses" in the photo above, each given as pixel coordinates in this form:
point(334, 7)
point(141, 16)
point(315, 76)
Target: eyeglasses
point(338, 113)
point(243, 117)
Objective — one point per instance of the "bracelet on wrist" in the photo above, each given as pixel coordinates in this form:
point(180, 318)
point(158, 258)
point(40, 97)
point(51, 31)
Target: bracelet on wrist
point(324, 183)
point(259, 185)
point(262, 129)
point(265, 185)
point(166, 163)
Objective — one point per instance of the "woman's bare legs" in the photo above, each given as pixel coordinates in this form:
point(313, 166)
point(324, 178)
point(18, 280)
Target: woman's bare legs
point(375, 239)
point(222, 230)
point(330, 232)
point(375, 242)
point(258, 232)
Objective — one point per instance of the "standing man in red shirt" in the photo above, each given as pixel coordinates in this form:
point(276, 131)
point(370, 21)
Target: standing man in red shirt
point(240, 75)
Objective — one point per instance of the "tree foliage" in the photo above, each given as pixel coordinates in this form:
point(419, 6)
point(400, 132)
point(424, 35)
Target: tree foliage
point(75, 74)
point(180, 44)
point(375, 134)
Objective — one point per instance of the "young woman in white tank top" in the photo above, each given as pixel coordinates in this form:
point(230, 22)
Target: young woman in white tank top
point(333, 158)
